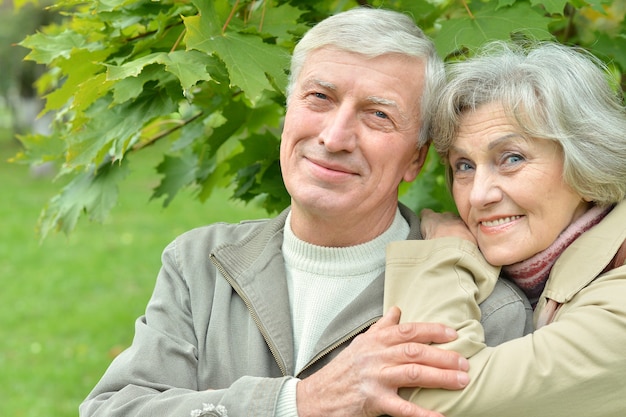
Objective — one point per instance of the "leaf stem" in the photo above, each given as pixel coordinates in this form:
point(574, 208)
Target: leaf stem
point(469, 12)
point(180, 38)
point(262, 17)
point(230, 16)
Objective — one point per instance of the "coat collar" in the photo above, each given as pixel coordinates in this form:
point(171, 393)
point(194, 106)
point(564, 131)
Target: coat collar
point(587, 256)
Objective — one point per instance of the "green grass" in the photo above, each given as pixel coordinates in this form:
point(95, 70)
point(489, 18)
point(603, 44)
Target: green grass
point(67, 305)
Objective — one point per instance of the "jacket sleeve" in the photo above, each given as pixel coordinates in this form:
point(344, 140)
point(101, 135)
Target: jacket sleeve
point(440, 280)
point(573, 366)
point(158, 374)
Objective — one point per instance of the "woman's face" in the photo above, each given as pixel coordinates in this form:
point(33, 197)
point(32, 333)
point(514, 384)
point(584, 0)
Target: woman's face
point(509, 189)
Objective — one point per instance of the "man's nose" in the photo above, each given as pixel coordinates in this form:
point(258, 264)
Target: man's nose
point(340, 130)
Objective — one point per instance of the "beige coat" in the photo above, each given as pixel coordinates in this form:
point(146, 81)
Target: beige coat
point(575, 366)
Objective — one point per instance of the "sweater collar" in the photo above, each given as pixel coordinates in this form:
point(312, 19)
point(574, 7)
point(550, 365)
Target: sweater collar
point(346, 262)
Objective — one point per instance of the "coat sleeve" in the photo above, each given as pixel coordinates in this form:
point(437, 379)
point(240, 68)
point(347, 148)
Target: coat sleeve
point(573, 366)
point(433, 281)
point(158, 374)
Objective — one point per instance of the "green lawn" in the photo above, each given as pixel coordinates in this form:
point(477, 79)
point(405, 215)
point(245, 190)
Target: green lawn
point(67, 305)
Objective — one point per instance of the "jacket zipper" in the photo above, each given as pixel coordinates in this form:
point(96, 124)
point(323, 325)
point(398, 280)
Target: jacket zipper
point(338, 343)
point(256, 319)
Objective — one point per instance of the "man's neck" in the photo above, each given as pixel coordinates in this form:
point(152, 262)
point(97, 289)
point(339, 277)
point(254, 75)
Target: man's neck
point(339, 231)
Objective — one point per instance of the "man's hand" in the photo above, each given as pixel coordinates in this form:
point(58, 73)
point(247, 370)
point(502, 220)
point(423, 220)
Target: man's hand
point(434, 225)
point(363, 380)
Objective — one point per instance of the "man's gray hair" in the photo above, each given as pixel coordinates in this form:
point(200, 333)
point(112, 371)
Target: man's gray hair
point(372, 33)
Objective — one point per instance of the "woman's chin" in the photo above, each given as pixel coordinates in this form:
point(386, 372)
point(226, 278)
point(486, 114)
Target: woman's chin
point(499, 258)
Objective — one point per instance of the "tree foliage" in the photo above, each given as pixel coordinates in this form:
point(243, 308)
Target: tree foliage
point(208, 77)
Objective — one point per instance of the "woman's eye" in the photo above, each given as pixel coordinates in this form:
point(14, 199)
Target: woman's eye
point(462, 166)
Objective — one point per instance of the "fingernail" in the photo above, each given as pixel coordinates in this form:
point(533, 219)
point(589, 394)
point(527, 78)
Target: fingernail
point(463, 364)
point(463, 379)
point(451, 333)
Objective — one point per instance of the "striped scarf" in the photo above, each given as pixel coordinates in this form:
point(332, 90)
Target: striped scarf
point(531, 274)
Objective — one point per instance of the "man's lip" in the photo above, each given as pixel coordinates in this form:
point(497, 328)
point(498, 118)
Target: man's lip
point(331, 166)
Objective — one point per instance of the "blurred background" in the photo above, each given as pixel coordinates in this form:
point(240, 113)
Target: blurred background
point(67, 304)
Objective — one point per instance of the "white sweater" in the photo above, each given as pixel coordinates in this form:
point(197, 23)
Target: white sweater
point(322, 281)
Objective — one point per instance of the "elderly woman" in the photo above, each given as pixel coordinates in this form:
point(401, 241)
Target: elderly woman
point(534, 141)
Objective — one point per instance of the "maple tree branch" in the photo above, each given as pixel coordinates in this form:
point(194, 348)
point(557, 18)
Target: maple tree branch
point(161, 135)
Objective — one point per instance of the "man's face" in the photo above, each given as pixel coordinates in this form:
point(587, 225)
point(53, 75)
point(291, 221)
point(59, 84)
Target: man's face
point(350, 137)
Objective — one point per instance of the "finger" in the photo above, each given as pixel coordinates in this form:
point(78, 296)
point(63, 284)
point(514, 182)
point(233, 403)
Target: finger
point(425, 355)
point(386, 333)
point(426, 212)
point(417, 375)
point(398, 407)
point(420, 332)
point(390, 318)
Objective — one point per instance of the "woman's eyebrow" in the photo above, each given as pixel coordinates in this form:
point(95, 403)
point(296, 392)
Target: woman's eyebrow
point(503, 139)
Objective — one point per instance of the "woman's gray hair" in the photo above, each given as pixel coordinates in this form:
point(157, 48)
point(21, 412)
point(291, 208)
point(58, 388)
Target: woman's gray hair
point(553, 92)
point(372, 33)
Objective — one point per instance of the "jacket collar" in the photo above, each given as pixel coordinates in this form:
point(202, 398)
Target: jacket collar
point(587, 256)
point(268, 299)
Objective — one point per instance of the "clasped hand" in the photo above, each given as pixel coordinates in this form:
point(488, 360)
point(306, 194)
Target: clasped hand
point(363, 380)
point(434, 225)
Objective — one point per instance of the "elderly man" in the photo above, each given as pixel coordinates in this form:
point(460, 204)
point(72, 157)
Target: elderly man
point(277, 317)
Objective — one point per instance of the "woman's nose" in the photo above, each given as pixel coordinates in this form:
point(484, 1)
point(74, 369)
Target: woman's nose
point(485, 188)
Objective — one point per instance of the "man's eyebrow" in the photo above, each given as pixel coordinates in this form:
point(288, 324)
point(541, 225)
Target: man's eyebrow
point(383, 101)
point(316, 82)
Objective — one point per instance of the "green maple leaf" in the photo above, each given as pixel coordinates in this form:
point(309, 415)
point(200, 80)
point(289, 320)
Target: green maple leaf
point(46, 48)
point(253, 65)
point(488, 23)
point(178, 172)
point(278, 22)
point(94, 192)
point(39, 148)
point(551, 6)
point(189, 66)
point(115, 128)
point(80, 68)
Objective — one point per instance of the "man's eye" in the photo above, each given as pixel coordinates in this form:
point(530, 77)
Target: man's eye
point(513, 158)
point(381, 114)
point(321, 96)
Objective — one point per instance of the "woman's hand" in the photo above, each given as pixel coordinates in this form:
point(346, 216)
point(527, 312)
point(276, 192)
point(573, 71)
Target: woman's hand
point(436, 225)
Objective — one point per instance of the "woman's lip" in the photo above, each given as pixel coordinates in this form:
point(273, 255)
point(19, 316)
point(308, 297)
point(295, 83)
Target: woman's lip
point(499, 221)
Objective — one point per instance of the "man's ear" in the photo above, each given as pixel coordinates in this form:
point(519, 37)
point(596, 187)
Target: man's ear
point(419, 157)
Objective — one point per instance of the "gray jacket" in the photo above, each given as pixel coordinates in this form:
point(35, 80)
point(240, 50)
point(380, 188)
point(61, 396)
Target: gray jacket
point(217, 329)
